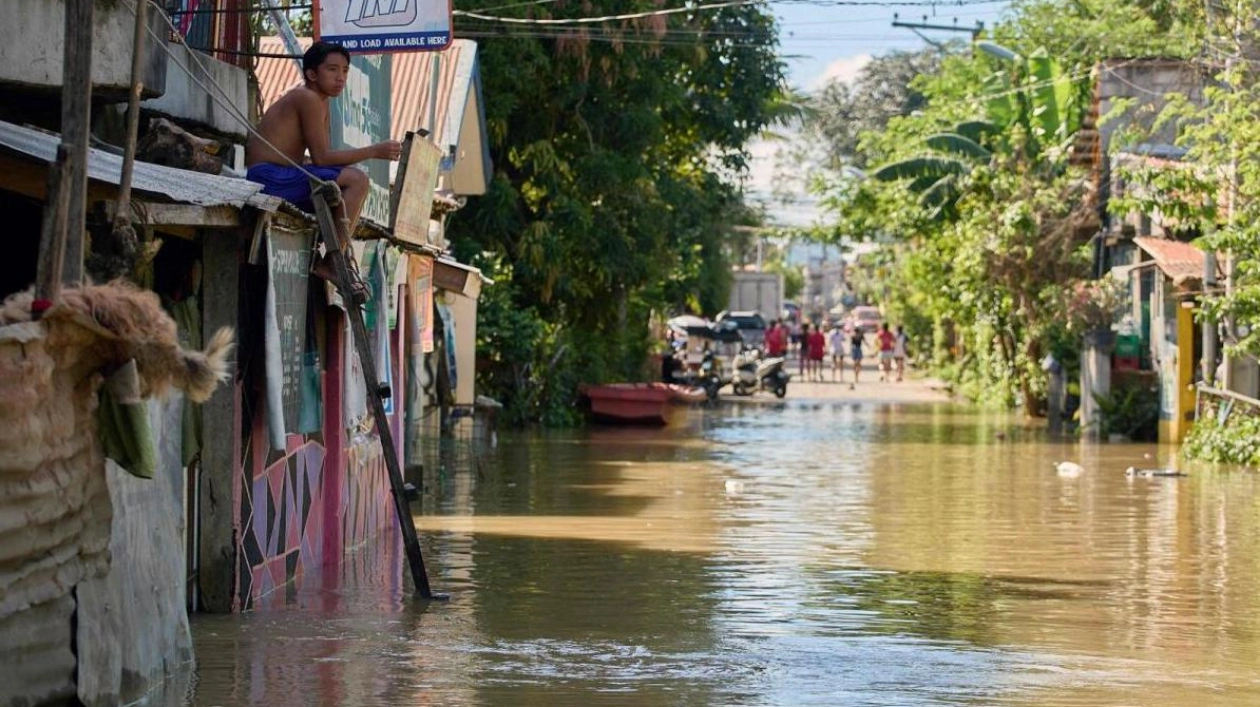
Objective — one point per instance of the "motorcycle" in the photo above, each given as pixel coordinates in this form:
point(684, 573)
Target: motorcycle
point(753, 373)
point(709, 378)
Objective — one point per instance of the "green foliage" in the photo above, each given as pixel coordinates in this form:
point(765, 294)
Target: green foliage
point(1130, 409)
point(982, 217)
point(1235, 441)
point(613, 194)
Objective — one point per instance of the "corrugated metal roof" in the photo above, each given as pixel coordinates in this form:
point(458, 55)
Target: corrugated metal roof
point(180, 185)
point(1179, 261)
point(411, 86)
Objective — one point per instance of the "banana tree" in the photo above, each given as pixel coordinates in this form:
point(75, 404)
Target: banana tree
point(1032, 110)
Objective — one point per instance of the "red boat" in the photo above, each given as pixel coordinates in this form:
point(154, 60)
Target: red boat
point(638, 403)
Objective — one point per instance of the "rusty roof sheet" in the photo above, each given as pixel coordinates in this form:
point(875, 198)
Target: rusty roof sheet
point(1179, 261)
point(276, 76)
point(180, 185)
point(411, 86)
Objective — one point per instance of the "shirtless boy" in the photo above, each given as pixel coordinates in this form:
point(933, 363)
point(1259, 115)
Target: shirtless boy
point(298, 124)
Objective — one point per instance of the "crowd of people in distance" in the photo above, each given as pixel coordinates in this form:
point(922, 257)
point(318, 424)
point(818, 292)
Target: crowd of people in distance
point(812, 347)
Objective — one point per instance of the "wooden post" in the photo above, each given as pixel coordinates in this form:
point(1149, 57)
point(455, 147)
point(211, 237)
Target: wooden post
point(336, 236)
point(76, 123)
point(123, 214)
point(220, 419)
point(61, 237)
point(52, 241)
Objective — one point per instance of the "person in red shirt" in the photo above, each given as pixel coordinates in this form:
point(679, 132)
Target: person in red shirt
point(886, 342)
point(776, 340)
point(817, 345)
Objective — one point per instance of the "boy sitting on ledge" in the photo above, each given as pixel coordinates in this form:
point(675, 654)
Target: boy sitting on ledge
point(297, 124)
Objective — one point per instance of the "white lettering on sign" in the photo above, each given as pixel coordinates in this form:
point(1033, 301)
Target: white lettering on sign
point(376, 207)
point(360, 121)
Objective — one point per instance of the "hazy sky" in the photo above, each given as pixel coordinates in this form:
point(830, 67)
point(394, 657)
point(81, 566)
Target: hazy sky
point(823, 42)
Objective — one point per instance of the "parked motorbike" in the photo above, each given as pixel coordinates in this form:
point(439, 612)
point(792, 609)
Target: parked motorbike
point(710, 379)
point(753, 373)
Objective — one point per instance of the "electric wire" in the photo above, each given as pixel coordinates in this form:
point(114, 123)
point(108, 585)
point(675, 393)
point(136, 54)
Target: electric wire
point(221, 99)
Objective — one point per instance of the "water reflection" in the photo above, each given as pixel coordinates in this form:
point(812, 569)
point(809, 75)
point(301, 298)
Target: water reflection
point(809, 553)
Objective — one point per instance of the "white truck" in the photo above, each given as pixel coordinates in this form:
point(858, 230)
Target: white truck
point(757, 291)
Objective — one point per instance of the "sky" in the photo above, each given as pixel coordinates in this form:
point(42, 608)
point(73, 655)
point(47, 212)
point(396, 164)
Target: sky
point(822, 42)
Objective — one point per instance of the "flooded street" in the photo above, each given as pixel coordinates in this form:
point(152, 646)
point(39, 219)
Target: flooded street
point(792, 554)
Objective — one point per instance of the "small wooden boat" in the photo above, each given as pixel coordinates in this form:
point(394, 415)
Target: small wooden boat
point(638, 403)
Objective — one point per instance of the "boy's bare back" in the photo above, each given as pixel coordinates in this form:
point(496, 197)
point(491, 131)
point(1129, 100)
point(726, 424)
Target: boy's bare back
point(287, 125)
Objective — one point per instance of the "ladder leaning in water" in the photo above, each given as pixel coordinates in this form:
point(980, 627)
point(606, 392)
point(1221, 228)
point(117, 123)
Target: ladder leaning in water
point(336, 237)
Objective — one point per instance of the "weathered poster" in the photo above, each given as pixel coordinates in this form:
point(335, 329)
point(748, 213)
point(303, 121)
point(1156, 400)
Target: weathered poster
point(414, 187)
point(284, 345)
point(423, 278)
point(377, 26)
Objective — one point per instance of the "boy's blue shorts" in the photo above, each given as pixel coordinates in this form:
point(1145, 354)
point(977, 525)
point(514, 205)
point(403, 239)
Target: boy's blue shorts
point(290, 183)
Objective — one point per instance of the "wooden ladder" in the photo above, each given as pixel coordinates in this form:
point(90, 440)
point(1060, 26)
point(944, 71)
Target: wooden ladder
point(335, 236)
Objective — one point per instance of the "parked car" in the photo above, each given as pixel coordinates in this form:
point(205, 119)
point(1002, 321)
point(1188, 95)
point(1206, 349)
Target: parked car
point(750, 325)
point(866, 318)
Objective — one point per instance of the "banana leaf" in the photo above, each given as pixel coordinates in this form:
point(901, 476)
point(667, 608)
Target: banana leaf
point(916, 167)
point(956, 144)
point(976, 130)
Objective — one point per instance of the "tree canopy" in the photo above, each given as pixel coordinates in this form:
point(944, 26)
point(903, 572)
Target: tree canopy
point(617, 148)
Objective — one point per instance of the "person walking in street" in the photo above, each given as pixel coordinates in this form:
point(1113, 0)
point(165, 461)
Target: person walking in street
point(836, 341)
point(885, 341)
point(817, 348)
point(857, 340)
point(899, 352)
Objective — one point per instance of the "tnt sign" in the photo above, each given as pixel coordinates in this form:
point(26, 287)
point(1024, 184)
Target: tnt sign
point(384, 26)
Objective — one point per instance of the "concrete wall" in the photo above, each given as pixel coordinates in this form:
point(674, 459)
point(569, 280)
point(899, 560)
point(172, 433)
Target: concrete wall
point(185, 99)
point(132, 623)
point(32, 33)
point(1146, 83)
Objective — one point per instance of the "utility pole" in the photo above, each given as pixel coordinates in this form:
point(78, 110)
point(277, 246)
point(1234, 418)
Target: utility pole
point(1208, 361)
point(975, 30)
point(61, 239)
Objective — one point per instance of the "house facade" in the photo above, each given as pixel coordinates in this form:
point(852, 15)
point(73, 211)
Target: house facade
point(264, 489)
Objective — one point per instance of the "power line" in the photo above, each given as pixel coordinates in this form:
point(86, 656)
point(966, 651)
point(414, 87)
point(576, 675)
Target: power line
point(716, 6)
point(219, 94)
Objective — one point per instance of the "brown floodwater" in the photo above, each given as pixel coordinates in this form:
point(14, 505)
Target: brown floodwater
point(794, 554)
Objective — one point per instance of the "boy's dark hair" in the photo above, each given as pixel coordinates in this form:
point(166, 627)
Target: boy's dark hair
point(319, 51)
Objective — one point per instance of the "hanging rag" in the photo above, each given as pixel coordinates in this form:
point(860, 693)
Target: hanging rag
point(123, 423)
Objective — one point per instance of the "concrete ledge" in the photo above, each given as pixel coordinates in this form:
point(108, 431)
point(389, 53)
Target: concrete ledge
point(185, 100)
point(33, 32)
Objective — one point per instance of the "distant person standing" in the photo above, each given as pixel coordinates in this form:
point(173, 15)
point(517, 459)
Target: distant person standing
point(899, 351)
point(802, 351)
point(776, 340)
point(836, 342)
point(817, 349)
point(886, 342)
